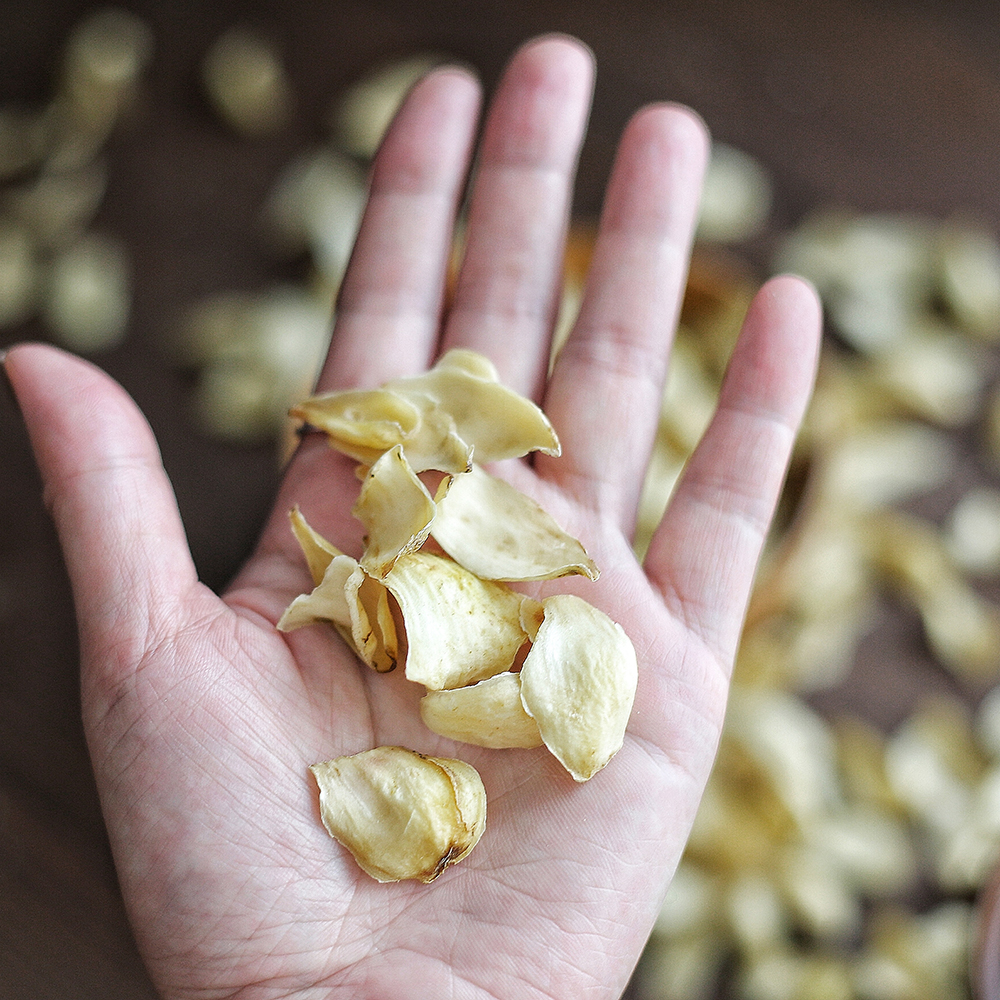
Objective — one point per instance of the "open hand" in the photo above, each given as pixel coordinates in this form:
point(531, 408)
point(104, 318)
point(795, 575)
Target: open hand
point(202, 718)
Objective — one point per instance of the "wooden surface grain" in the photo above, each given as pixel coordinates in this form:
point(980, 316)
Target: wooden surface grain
point(877, 106)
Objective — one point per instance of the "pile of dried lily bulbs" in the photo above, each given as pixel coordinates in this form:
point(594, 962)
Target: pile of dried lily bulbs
point(500, 669)
point(834, 858)
point(54, 263)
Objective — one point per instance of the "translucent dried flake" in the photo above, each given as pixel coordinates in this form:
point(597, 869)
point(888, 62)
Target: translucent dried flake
point(345, 596)
point(326, 602)
point(871, 847)
point(233, 401)
point(736, 196)
point(396, 510)
point(57, 206)
point(316, 205)
point(935, 374)
point(820, 895)
point(969, 277)
point(104, 58)
point(578, 682)
point(962, 627)
point(972, 531)
point(498, 533)
point(792, 746)
point(403, 815)
point(486, 714)
point(886, 462)
point(257, 354)
point(755, 913)
point(19, 273)
point(459, 629)
point(318, 551)
point(440, 418)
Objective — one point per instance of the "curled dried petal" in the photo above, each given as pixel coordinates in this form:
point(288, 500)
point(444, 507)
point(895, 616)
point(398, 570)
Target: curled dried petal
point(459, 629)
point(326, 602)
point(396, 510)
point(495, 421)
point(361, 423)
point(403, 815)
point(440, 418)
point(373, 625)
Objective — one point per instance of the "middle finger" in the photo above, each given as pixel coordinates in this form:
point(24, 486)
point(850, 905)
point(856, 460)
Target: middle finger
point(510, 279)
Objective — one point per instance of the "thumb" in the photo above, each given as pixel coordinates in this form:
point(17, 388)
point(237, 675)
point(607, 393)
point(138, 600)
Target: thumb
point(113, 506)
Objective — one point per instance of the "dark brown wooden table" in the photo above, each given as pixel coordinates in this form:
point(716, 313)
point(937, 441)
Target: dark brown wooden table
point(877, 106)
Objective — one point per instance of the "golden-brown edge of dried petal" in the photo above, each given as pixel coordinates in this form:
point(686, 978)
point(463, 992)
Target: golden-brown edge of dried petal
point(531, 614)
point(499, 533)
point(470, 800)
point(488, 713)
point(401, 814)
point(578, 682)
point(458, 628)
point(373, 627)
point(396, 510)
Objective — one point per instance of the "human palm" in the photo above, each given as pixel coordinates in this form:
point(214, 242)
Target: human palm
point(202, 718)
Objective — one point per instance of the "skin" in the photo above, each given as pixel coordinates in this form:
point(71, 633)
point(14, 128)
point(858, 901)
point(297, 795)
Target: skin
point(201, 718)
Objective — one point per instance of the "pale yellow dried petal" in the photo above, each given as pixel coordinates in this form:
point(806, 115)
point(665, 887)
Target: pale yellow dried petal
point(401, 814)
point(471, 362)
point(246, 82)
point(819, 894)
point(318, 551)
point(498, 533)
point(578, 682)
point(327, 602)
point(361, 423)
point(459, 629)
point(486, 714)
point(396, 510)
point(495, 421)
